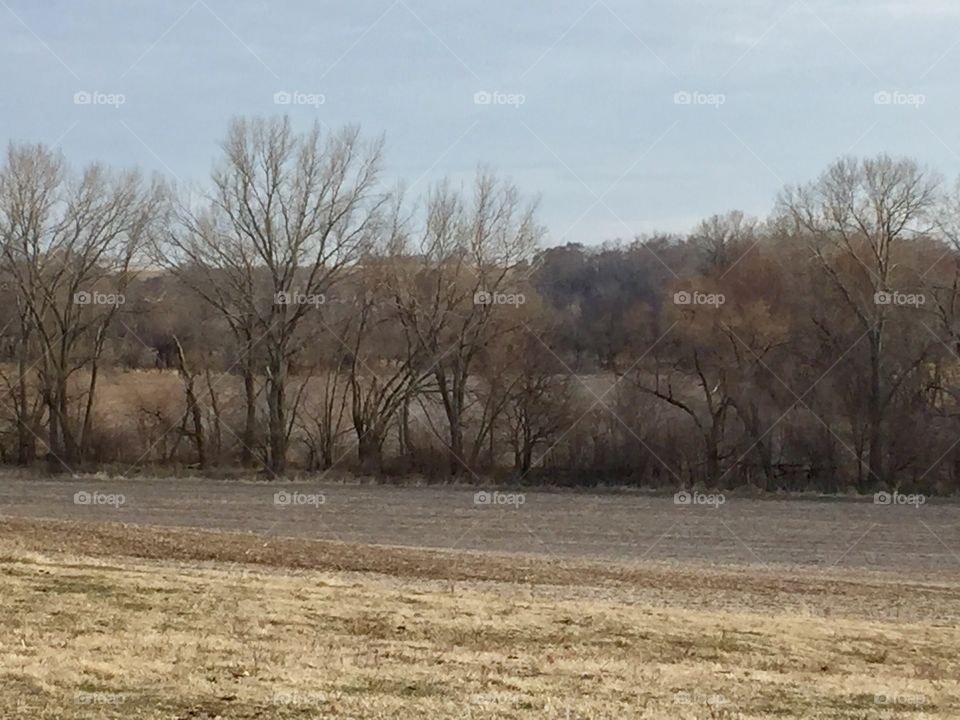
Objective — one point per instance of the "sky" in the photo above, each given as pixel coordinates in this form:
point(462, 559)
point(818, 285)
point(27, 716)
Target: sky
point(623, 117)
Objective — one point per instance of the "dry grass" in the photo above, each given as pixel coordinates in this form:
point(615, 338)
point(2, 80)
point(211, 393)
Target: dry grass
point(106, 621)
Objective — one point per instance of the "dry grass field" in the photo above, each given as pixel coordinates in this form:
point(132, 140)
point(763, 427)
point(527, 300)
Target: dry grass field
point(104, 620)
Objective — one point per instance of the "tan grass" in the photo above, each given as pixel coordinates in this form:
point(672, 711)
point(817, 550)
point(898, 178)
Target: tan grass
point(417, 634)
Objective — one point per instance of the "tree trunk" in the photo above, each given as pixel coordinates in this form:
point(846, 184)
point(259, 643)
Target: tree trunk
point(875, 414)
point(25, 439)
point(712, 459)
point(217, 423)
point(455, 418)
point(404, 428)
point(250, 424)
point(370, 452)
point(69, 444)
point(192, 406)
point(456, 446)
point(55, 444)
point(87, 421)
point(277, 418)
point(528, 442)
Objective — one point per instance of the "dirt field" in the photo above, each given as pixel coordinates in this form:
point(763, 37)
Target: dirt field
point(377, 602)
point(915, 541)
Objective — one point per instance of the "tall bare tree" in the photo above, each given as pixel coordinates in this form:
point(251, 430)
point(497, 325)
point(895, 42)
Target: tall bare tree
point(287, 214)
point(463, 285)
point(68, 242)
point(856, 217)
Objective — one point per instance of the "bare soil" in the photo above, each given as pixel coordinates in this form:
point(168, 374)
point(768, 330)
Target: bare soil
point(908, 540)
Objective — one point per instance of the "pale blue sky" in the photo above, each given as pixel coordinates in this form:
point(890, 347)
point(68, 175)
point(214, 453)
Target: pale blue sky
point(599, 136)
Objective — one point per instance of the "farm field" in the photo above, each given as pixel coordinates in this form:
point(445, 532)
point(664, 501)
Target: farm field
point(906, 539)
point(102, 620)
point(202, 599)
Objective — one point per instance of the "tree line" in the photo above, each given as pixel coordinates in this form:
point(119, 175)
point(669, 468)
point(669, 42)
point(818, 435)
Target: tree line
point(296, 314)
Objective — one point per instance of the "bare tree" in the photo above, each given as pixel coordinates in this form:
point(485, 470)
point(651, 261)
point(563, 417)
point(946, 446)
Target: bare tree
point(384, 371)
point(287, 214)
point(856, 217)
point(25, 403)
point(539, 401)
point(323, 425)
point(68, 243)
point(722, 239)
point(457, 283)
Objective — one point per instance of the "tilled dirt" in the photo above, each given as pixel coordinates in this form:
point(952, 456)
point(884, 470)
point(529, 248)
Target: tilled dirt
point(906, 540)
